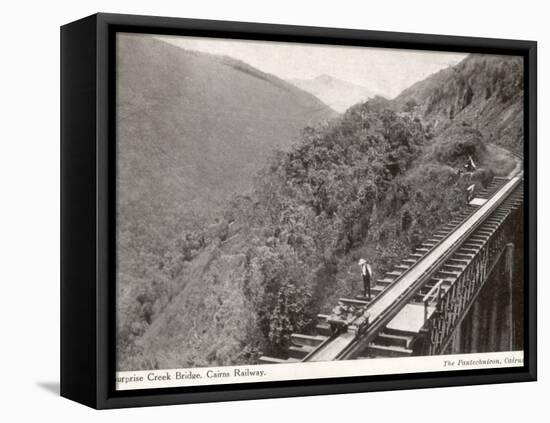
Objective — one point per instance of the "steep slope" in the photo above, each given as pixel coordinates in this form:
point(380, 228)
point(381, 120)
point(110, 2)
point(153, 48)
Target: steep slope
point(192, 130)
point(483, 91)
point(372, 183)
point(273, 269)
point(338, 94)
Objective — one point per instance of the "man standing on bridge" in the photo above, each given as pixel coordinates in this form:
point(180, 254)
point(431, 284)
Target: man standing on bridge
point(366, 273)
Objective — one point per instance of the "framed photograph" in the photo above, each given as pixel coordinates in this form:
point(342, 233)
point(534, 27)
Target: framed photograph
point(254, 211)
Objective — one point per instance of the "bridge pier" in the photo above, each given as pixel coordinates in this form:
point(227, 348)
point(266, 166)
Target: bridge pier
point(510, 278)
point(489, 324)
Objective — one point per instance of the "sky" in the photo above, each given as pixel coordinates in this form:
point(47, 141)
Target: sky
point(384, 71)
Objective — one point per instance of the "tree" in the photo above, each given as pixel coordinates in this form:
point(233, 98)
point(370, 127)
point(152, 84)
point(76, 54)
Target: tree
point(410, 105)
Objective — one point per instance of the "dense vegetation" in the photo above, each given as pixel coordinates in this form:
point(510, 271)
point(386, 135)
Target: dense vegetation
point(192, 130)
point(484, 91)
point(371, 183)
point(281, 255)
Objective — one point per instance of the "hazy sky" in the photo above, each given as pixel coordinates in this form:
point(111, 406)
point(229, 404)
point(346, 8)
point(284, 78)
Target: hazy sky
point(385, 71)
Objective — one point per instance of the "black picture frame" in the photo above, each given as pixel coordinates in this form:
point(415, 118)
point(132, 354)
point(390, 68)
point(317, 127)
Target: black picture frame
point(87, 209)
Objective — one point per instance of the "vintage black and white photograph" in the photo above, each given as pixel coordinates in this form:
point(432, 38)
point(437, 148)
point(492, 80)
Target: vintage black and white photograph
point(359, 209)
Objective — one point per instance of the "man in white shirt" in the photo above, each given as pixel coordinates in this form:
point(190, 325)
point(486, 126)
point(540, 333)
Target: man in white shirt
point(366, 273)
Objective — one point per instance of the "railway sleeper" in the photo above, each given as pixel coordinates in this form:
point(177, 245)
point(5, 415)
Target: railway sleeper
point(389, 339)
point(485, 232)
point(463, 261)
point(374, 292)
point(472, 251)
point(454, 267)
point(264, 359)
point(299, 352)
point(480, 242)
point(353, 302)
point(310, 340)
point(389, 351)
point(448, 273)
point(429, 285)
point(479, 238)
point(497, 220)
point(465, 254)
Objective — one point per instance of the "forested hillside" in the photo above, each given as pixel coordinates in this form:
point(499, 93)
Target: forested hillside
point(370, 183)
point(192, 130)
point(483, 91)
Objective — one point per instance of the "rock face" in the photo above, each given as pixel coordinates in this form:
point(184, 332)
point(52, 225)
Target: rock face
point(484, 92)
point(338, 94)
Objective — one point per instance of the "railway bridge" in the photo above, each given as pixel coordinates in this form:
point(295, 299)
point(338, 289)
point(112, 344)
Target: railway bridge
point(418, 307)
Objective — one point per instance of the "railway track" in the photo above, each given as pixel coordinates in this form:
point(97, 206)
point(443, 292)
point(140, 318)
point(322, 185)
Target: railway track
point(451, 289)
point(405, 299)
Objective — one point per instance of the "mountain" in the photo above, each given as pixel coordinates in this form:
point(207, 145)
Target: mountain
point(484, 92)
point(193, 129)
point(373, 182)
point(338, 94)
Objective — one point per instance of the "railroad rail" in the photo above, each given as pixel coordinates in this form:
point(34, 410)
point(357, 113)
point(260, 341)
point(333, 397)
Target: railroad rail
point(418, 305)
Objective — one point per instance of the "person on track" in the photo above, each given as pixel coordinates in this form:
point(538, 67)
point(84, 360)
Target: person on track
point(366, 273)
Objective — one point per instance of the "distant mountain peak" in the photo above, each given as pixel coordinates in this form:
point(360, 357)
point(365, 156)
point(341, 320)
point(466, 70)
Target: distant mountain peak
point(337, 93)
point(326, 78)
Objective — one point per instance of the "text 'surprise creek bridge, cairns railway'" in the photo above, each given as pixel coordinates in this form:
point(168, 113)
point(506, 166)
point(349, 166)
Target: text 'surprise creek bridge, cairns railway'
point(418, 306)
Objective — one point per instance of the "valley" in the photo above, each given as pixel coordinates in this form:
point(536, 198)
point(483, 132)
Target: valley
point(247, 215)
